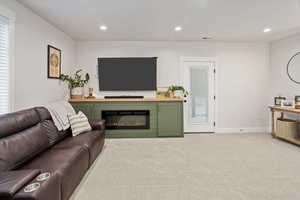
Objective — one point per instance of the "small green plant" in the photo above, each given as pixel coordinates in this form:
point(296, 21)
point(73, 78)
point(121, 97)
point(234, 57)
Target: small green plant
point(173, 88)
point(76, 80)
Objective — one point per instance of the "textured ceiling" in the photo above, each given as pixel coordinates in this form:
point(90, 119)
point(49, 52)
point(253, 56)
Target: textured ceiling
point(223, 20)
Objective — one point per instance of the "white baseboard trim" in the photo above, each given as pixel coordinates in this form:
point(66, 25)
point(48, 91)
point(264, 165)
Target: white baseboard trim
point(243, 130)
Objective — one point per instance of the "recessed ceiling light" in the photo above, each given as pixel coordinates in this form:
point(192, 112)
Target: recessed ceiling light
point(103, 28)
point(178, 28)
point(266, 30)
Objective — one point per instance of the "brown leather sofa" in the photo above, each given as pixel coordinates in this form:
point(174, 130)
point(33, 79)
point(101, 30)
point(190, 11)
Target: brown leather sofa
point(30, 144)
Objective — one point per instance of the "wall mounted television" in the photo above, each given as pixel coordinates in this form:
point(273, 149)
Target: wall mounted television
point(127, 74)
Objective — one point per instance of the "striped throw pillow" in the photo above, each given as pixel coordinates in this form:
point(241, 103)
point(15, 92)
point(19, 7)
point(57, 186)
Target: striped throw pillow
point(79, 123)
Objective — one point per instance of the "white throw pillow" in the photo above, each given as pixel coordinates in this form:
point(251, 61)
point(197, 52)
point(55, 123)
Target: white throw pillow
point(79, 123)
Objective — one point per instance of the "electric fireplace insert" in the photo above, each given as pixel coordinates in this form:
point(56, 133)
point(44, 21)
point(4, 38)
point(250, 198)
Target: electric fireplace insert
point(126, 119)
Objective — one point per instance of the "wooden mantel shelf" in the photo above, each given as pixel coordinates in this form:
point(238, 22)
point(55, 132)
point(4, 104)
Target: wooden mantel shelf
point(125, 100)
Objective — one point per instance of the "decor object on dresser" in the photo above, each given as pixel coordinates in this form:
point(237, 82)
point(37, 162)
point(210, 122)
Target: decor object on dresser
point(287, 128)
point(297, 102)
point(293, 68)
point(41, 170)
point(288, 103)
point(91, 93)
point(76, 83)
point(277, 100)
point(162, 91)
point(54, 62)
point(177, 91)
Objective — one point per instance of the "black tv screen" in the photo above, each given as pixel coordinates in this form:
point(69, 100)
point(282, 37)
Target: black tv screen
point(117, 74)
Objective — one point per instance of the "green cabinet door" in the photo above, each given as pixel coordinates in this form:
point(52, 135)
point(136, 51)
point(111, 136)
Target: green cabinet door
point(89, 109)
point(170, 120)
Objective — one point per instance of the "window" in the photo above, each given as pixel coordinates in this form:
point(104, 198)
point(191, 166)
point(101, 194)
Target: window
point(4, 65)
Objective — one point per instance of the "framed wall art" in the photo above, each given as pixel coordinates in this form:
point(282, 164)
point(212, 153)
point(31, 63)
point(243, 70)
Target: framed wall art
point(54, 62)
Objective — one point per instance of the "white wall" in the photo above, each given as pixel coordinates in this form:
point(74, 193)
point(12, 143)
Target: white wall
point(280, 53)
point(243, 74)
point(32, 35)
point(243, 71)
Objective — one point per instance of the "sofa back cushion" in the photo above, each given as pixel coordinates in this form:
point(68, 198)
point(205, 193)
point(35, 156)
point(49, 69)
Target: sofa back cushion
point(43, 113)
point(20, 147)
point(18, 121)
point(52, 132)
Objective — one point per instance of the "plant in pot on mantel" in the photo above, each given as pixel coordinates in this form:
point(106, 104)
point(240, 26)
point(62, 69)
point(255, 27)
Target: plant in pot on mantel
point(76, 83)
point(177, 91)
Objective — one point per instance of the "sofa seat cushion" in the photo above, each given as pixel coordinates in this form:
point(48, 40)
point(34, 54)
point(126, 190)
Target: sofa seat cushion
point(93, 141)
point(69, 163)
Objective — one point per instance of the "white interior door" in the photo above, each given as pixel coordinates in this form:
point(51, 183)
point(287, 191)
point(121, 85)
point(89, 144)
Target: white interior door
point(199, 80)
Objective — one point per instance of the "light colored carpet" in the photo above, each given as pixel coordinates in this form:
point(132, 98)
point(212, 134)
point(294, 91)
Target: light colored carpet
point(203, 166)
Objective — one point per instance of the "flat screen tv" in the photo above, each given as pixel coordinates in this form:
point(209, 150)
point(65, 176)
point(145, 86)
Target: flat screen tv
point(116, 74)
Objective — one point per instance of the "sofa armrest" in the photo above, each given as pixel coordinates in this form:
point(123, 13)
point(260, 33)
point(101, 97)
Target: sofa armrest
point(97, 124)
point(49, 189)
point(12, 181)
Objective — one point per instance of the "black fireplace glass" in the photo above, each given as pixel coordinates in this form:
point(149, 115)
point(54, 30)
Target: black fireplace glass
point(126, 119)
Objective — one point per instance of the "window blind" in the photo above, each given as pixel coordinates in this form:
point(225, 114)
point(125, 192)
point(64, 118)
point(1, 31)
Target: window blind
point(4, 65)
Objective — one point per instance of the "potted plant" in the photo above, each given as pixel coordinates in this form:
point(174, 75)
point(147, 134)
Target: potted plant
point(177, 91)
point(76, 83)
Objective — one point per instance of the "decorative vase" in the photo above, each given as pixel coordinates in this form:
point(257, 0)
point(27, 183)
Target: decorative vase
point(170, 94)
point(178, 94)
point(77, 93)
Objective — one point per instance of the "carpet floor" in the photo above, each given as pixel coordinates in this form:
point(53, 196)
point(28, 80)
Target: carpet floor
point(199, 166)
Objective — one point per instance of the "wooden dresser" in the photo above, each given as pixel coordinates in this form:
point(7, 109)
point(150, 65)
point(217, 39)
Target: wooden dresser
point(282, 111)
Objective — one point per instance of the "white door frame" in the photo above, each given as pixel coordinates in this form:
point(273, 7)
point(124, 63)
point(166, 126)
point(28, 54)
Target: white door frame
point(204, 59)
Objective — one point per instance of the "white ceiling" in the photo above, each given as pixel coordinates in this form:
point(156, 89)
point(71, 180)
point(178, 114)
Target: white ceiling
point(224, 20)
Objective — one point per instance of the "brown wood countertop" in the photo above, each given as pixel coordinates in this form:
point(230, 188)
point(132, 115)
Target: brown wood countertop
point(127, 100)
point(285, 109)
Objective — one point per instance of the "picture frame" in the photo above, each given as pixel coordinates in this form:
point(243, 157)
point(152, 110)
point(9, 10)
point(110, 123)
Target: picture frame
point(54, 62)
point(297, 99)
point(277, 100)
point(297, 102)
point(162, 91)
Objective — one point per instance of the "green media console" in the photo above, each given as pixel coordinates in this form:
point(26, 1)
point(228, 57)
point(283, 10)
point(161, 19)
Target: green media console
point(134, 118)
